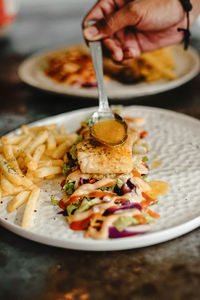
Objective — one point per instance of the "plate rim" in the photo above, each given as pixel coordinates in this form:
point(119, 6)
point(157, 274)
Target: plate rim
point(27, 78)
point(113, 244)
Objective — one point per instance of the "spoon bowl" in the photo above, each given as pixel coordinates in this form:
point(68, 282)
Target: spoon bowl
point(104, 113)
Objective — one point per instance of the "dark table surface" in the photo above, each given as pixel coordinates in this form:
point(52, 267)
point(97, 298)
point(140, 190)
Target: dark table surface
point(29, 270)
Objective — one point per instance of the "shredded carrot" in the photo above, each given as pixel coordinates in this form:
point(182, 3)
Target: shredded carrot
point(141, 219)
point(136, 173)
point(80, 225)
point(84, 125)
point(62, 204)
point(75, 198)
point(144, 204)
point(100, 194)
point(153, 214)
point(148, 199)
point(143, 134)
point(109, 183)
point(93, 180)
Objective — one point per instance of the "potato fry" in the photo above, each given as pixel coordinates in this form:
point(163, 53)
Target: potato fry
point(38, 140)
point(33, 163)
point(21, 162)
point(9, 188)
point(25, 129)
point(153, 61)
point(62, 148)
point(57, 162)
point(18, 201)
point(62, 129)
point(44, 163)
point(42, 128)
point(25, 142)
point(12, 175)
point(65, 158)
point(30, 206)
point(9, 155)
point(49, 153)
point(13, 140)
point(44, 172)
point(61, 139)
point(45, 157)
point(50, 177)
point(51, 143)
point(51, 162)
point(8, 151)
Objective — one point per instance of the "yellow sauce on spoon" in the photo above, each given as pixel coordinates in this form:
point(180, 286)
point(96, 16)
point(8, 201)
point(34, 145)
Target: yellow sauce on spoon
point(109, 132)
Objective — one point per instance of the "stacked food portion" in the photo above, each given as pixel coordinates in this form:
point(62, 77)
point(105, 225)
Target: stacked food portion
point(106, 191)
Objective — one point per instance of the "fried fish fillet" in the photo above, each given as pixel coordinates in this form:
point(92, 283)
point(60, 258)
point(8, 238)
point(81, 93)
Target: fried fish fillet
point(100, 159)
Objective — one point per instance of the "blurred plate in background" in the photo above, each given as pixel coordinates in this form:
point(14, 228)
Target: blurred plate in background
point(187, 65)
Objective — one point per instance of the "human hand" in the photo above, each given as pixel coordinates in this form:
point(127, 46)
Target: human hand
point(128, 28)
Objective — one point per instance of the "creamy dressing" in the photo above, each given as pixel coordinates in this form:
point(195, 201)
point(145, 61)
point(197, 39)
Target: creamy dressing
point(143, 185)
point(88, 187)
point(76, 175)
point(142, 169)
point(103, 232)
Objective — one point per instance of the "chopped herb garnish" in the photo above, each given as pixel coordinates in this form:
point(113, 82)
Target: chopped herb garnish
point(72, 207)
point(145, 158)
point(144, 176)
point(69, 187)
point(53, 201)
point(66, 169)
point(108, 188)
point(73, 150)
point(119, 183)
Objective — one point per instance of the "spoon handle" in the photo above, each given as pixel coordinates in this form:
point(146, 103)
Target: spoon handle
point(96, 53)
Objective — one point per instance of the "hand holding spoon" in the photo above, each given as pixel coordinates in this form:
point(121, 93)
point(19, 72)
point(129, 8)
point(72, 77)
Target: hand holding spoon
point(105, 127)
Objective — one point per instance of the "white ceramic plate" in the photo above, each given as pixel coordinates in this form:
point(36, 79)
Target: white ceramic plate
point(175, 139)
point(187, 66)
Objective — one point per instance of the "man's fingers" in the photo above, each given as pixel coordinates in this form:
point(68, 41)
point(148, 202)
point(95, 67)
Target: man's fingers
point(116, 51)
point(99, 11)
point(129, 42)
point(106, 27)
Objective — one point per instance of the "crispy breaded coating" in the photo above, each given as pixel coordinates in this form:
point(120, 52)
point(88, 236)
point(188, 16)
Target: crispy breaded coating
point(102, 159)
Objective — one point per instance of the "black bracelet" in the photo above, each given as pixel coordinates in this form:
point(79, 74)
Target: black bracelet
point(187, 6)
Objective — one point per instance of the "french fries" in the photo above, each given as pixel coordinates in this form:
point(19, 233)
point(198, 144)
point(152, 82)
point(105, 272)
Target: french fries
point(19, 200)
point(30, 206)
point(25, 160)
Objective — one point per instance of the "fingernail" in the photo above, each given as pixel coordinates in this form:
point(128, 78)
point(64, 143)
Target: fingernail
point(91, 32)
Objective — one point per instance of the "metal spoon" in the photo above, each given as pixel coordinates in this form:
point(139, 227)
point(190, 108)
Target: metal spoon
point(103, 112)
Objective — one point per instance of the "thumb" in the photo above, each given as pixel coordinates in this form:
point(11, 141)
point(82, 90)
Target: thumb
point(126, 16)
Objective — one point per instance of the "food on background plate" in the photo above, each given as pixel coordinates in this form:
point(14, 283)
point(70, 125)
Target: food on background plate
point(73, 67)
point(107, 194)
